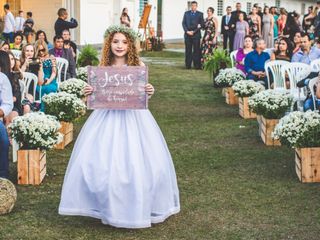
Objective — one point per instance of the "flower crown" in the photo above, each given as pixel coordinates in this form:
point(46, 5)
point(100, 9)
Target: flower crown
point(121, 29)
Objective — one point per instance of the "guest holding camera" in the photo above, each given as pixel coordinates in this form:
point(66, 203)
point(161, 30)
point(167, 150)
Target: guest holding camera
point(67, 43)
point(62, 23)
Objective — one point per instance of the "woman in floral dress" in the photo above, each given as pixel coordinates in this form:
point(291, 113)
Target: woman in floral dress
point(209, 40)
point(254, 22)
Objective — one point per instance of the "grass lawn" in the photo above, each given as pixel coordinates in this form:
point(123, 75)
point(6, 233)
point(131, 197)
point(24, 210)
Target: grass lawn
point(231, 185)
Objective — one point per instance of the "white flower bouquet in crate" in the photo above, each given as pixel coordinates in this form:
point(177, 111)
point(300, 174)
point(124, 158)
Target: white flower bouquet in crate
point(82, 73)
point(270, 106)
point(73, 86)
point(301, 131)
point(66, 107)
point(227, 77)
point(245, 89)
point(35, 133)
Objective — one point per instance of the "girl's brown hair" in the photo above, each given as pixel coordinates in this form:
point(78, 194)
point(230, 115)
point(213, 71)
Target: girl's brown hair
point(39, 43)
point(107, 58)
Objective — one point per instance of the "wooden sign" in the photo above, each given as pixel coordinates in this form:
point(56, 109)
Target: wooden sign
point(118, 87)
point(145, 16)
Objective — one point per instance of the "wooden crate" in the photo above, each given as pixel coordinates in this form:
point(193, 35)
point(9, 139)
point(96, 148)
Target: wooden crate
point(31, 166)
point(67, 131)
point(244, 110)
point(266, 127)
point(231, 98)
point(308, 164)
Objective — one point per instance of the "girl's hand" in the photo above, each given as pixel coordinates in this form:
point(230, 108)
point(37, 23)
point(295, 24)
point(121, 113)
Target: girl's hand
point(88, 90)
point(149, 89)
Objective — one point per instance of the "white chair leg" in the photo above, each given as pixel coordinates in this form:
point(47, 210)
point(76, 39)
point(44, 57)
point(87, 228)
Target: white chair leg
point(15, 148)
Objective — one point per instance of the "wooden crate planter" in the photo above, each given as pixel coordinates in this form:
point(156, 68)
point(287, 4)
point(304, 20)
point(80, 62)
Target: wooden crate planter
point(31, 166)
point(266, 127)
point(308, 164)
point(67, 131)
point(231, 98)
point(244, 110)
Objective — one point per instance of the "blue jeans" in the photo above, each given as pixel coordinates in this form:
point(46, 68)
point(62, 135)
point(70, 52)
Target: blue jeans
point(4, 151)
point(8, 37)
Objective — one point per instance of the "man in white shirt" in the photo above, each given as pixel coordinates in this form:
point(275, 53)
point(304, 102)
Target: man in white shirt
point(6, 105)
point(20, 22)
point(9, 24)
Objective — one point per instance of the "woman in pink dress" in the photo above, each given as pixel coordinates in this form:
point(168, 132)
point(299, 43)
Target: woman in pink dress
point(242, 53)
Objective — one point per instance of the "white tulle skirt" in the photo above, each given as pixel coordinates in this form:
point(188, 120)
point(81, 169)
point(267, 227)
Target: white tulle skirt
point(121, 171)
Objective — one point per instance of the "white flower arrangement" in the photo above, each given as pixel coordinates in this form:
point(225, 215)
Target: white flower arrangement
point(227, 77)
point(299, 129)
point(64, 106)
point(36, 130)
point(73, 86)
point(82, 73)
point(272, 104)
point(247, 88)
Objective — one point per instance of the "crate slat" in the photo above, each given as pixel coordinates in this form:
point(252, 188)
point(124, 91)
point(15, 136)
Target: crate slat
point(309, 169)
point(231, 98)
point(67, 131)
point(266, 127)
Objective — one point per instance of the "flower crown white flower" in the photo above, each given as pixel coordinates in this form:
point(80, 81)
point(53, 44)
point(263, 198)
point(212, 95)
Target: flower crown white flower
point(121, 29)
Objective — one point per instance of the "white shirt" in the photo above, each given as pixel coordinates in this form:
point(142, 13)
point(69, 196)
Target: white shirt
point(6, 98)
point(9, 23)
point(19, 23)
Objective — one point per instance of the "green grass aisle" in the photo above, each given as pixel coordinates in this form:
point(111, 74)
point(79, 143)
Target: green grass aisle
point(231, 185)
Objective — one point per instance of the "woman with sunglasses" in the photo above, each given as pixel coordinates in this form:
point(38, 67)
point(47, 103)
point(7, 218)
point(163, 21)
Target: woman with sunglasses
point(47, 71)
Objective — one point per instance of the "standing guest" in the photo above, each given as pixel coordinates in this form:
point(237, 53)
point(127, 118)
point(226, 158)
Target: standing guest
point(242, 29)
point(69, 44)
point(282, 20)
point(297, 19)
point(317, 21)
point(14, 76)
point(9, 24)
point(291, 27)
point(19, 22)
point(41, 35)
point(267, 30)
point(236, 14)
point(5, 46)
point(209, 40)
point(273, 12)
point(192, 23)
point(6, 105)
point(17, 44)
point(30, 37)
point(124, 18)
point(260, 13)
point(255, 61)
point(28, 24)
point(243, 52)
point(59, 51)
point(308, 19)
point(227, 29)
point(254, 22)
point(62, 23)
point(297, 42)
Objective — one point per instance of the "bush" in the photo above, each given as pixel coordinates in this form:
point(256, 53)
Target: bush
point(73, 86)
point(88, 56)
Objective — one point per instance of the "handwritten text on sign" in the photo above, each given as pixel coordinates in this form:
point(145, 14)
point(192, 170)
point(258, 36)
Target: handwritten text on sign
point(118, 87)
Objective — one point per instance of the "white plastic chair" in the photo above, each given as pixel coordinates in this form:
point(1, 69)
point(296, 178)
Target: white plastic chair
point(16, 53)
point(275, 68)
point(28, 78)
point(233, 55)
point(312, 83)
point(62, 64)
point(268, 50)
point(22, 89)
point(296, 72)
point(315, 65)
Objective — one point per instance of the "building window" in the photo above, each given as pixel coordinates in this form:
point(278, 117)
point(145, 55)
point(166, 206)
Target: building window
point(278, 4)
point(249, 7)
point(141, 6)
point(220, 8)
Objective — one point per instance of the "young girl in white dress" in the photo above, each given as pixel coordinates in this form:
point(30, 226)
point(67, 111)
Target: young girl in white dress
point(120, 169)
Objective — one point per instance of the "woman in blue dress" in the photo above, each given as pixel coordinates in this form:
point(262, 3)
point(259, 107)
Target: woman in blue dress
point(47, 73)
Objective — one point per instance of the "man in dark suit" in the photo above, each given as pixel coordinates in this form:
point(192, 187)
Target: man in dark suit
point(192, 24)
point(227, 29)
point(235, 14)
point(304, 26)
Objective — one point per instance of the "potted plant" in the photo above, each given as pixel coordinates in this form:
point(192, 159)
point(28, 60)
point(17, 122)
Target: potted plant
point(218, 60)
point(245, 89)
point(88, 56)
point(73, 86)
point(66, 108)
point(270, 106)
point(35, 133)
point(225, 79)
point(301, 130)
